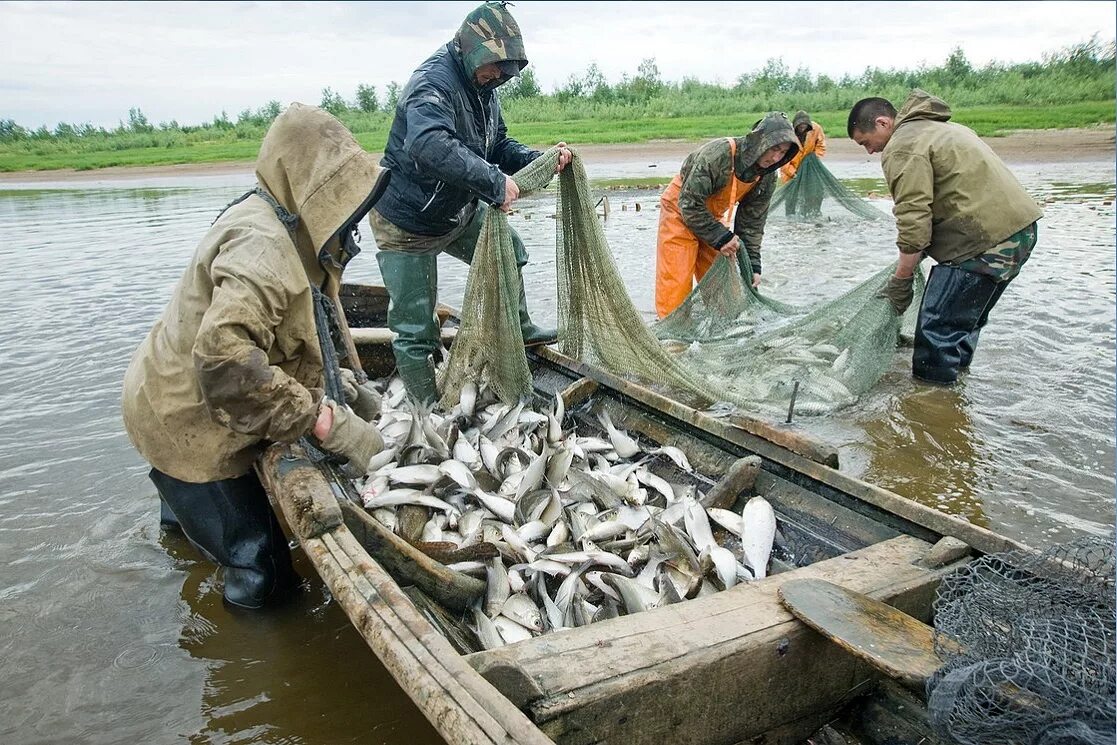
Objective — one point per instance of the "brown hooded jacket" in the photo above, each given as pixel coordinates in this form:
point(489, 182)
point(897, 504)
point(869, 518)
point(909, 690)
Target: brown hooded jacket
point(234, 362)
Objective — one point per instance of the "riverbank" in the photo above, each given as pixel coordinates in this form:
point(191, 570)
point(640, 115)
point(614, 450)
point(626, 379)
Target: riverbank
point(1026, 146)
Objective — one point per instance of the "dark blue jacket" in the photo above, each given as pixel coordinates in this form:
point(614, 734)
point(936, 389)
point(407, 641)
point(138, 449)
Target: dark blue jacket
point(447, 147)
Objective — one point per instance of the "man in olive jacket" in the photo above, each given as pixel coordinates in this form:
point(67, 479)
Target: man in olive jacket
point(450, 156)
point(956, 202)
point(237, 359)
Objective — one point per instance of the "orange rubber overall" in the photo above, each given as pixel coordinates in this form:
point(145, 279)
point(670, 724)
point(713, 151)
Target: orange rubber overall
point(681, 258)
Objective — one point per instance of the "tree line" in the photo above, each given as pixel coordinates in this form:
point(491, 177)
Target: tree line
point(1081, 72)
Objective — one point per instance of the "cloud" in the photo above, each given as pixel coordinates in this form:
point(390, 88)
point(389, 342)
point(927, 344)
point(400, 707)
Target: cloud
point(80, 62)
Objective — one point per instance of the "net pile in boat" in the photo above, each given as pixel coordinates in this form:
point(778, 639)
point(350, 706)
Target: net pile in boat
point(1028, 641)
point(816, 192)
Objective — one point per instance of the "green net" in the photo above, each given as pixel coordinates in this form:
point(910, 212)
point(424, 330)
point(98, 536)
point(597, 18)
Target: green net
point(814, 190)
point(740, 347)
point(824, 357)
point(489, 345)
point(722, 306)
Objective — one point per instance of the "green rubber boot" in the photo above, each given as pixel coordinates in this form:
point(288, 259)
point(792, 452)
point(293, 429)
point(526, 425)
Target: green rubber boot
point(463, 249)
point(534, 336)
point(412, 283)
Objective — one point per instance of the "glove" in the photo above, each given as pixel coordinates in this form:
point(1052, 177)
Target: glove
point(361, 397)
point(899, 291)
point(352, 437)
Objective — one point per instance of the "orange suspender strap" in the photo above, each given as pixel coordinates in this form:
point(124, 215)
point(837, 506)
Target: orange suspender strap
point(725, 219)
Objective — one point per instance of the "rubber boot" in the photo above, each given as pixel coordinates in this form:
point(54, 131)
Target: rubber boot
point(956, 304)
point(463, 249)
point(232, 524)
point(969, 343)
point(167, 517)
point(412, 282)
point(533, 335)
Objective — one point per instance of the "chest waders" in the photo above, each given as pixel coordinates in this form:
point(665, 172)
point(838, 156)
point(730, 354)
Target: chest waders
point(956, 306)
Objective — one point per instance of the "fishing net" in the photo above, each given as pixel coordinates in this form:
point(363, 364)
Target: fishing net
point(814, 192)
point(745, 349)
point(490, 345)
point(1029, 646)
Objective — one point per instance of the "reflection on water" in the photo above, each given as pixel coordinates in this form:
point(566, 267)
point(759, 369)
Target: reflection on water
point(115, 632)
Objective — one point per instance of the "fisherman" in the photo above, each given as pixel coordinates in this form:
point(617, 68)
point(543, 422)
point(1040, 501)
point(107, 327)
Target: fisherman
point(696, 207)
point(450, 155)
point(956, 202)
point(238, 361)
point(812, 140)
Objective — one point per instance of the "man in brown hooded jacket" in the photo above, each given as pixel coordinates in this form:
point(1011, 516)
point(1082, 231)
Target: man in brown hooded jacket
point(239, 359)
point(956, 202)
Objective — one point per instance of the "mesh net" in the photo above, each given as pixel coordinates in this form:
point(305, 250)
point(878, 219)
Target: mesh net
point(490, 345)
point(753, 352)
point(815, 192)
point(1028, 641)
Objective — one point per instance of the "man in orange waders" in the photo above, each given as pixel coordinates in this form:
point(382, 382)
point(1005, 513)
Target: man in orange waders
point(812, 140)
point(697, 206)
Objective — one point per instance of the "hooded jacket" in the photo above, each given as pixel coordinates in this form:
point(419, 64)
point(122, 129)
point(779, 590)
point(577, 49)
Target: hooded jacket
point(815, 142)
point(448, 144)
point(954, 198)
point(705, 172)
point(234, 361)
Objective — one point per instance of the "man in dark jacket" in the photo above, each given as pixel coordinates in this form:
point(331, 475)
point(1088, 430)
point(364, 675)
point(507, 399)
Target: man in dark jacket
point(450, 157)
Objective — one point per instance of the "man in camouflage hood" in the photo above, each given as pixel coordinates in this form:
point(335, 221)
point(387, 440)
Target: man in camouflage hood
point(697, 207)
point(238, 360)
point(450, 156)
point(956, 202)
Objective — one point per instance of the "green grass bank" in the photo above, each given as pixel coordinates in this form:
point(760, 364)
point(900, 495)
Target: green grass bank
point(158, 148)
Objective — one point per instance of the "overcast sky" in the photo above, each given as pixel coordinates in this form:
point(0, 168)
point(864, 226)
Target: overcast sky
point(91, 62)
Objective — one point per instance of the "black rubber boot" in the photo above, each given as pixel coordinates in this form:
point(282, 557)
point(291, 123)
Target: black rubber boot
point(232, 524)
point(167, 517)
point(412, 282)
point(956, 305)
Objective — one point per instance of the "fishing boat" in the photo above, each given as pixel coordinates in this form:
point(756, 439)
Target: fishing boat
point(735, 666)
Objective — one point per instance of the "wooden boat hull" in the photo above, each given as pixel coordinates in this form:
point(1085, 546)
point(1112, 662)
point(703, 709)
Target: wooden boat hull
point(731, 667)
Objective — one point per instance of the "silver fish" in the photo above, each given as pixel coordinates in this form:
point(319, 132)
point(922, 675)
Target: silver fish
point(757, 534)
point(487, 632)
point(459, 472)
point(523, 610)
point(496, 588)
point(625, 446)
point(727, 519)
point(468, 398)
point(676, 455)
point(425, 474)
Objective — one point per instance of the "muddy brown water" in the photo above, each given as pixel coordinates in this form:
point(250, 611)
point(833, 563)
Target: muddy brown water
point(113, 632)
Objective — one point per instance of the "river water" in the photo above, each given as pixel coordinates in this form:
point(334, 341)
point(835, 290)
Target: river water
point(113, 632)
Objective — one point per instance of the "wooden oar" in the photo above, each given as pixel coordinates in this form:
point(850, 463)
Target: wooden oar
point(890, 640)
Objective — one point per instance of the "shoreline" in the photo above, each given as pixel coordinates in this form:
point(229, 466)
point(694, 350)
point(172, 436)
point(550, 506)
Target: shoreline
point(1024, 146)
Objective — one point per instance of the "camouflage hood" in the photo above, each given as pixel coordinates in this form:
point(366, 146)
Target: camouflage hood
point(491, 34)
point(328, 186)
point(922, 105)
point(801, 118)
point(774, 129)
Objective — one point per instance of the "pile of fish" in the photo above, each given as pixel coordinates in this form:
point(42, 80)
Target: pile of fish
point(565, 528)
